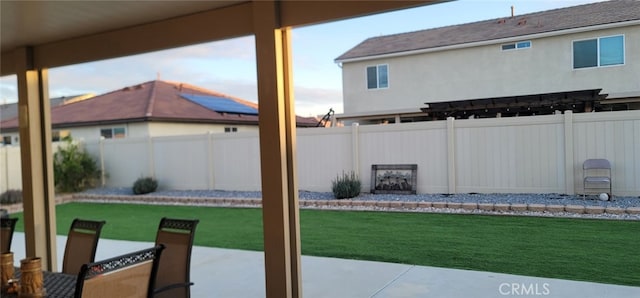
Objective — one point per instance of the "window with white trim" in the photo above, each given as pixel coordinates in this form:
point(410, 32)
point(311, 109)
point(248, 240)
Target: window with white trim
point(113, 133)
point(597, 52)
point(230, 129)
point(516, 45)
point(378, 76)
point(59, 135)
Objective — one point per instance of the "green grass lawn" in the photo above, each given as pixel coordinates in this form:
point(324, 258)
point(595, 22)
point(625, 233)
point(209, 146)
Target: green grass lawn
point(603, 251)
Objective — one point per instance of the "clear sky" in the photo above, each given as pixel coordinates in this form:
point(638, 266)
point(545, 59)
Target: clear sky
point(229, 66)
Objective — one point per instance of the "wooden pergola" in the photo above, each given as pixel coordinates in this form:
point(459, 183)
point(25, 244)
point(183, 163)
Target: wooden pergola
point(578, 101)
point(37, 35)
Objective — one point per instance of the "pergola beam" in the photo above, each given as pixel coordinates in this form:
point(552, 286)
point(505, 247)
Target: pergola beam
point(534, 103)
point(277, 145)
point(37, 160)
point(300, 13)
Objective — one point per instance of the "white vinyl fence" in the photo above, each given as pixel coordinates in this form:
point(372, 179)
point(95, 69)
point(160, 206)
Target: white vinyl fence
point(539, 154)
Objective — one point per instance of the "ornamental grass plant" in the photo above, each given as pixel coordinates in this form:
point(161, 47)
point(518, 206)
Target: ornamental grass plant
point(346, 186)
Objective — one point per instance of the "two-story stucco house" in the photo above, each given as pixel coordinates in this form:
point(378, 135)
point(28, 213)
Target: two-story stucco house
point(585, 58)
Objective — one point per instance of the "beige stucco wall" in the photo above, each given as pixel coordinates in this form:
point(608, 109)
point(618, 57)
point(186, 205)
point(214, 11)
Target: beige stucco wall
point(142, 130)
point(487, 71)
point(172, 129)
point(91, 133)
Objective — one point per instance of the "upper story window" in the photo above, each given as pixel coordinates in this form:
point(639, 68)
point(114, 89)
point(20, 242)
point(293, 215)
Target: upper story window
point(602, 51)
point(230, 129)
point(517, 45)
point(378, 76)
point(113, 133)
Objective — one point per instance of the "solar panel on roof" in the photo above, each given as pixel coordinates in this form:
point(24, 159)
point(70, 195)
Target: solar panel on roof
point(221, 104)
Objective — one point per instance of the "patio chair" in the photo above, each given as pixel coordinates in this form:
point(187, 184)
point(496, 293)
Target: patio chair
point(7, 226)
point(596, 174)
point(81, 246)
point(127, 276)
point(173, 278)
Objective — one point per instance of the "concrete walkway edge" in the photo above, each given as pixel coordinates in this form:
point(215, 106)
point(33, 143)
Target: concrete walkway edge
point(232, 273)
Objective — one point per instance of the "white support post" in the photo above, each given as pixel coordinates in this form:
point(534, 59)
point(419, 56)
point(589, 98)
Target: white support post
point(152, 161)
point(569, 172)
point(211, 161)
point(103, 177)
point(451, 155)
point(5, 150)
point(355, 148)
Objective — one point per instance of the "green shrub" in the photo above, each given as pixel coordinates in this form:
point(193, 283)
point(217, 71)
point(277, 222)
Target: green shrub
point(73, 168)
point(145, 185)
point(346, 186)
point(11, 196)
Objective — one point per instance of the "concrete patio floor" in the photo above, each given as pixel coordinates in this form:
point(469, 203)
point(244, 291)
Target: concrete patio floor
point(231, 273)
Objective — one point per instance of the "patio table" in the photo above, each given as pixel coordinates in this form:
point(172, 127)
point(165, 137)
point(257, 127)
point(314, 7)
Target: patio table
point(56, 284)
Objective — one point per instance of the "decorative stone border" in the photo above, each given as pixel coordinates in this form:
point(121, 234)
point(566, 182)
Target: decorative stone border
point(498, 207)
point(61, 199)
point(359, 204)
point(345, 204)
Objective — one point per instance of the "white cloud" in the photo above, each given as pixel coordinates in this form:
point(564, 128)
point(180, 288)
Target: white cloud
point(312, 101)
point(8, 89)
point(247, 90)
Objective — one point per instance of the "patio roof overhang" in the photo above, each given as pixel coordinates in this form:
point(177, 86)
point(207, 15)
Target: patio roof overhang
point(37, 35)
point(111, 29)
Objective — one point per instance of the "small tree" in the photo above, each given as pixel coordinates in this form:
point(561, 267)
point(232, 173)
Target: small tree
point(73, 168)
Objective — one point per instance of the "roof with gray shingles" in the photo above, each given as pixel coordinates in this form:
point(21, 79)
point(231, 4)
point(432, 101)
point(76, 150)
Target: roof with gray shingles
point(540, 22)
point(10, 110)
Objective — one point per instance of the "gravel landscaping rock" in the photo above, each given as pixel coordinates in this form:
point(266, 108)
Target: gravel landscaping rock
point(574, 205)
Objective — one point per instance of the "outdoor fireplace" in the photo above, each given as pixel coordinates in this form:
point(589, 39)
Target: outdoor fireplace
point(394, 179)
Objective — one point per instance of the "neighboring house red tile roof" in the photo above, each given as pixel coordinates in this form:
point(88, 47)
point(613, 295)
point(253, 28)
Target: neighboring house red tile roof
point(150, 101)
point(520, 25)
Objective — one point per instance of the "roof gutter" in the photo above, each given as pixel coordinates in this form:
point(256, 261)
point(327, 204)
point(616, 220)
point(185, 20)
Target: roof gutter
point(493, 41)
point(153, 119)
